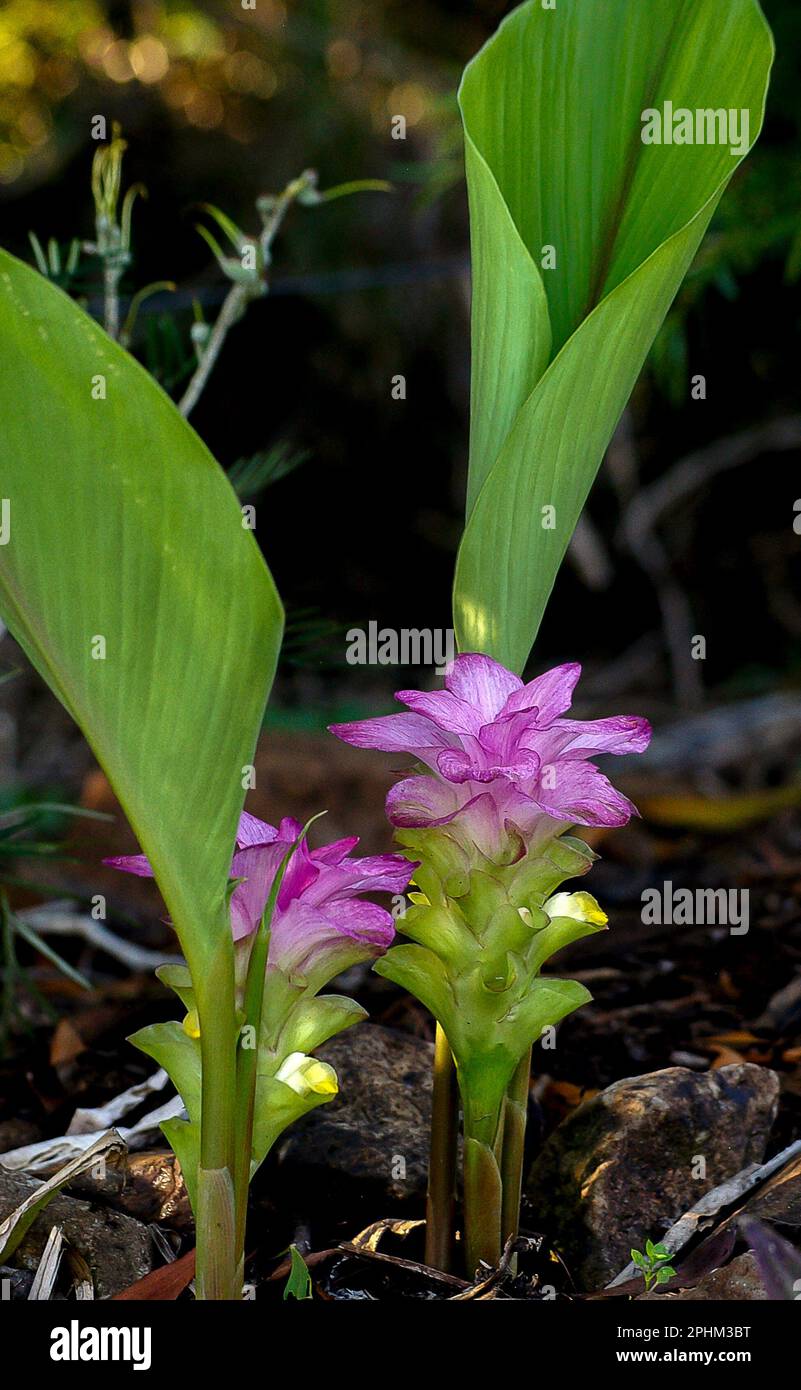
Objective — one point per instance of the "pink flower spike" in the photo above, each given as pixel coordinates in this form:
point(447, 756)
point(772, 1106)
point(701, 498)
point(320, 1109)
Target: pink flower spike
point(501, 754)
point(320, 921)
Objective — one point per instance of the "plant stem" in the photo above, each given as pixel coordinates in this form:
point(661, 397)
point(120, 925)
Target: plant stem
point(440, 1199)
point(514, 1143)
point(233, 306)
point(239, 295)
point(482, 1205)
point(219, 1258)
point(111, 297)
point(248, 1056)
point(482, 1108)
point(219, 1267)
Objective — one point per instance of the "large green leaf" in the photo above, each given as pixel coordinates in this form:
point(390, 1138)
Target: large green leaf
point(123, 527)
point(552, 108)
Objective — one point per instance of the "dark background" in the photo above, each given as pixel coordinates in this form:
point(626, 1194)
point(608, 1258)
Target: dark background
point(219, 104)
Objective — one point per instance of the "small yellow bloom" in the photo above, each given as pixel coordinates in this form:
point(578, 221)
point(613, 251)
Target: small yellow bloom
point(583, 907)
point(192, 1024)
point(307, 1076)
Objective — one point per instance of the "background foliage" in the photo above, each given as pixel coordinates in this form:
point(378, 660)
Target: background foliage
point(220, 104)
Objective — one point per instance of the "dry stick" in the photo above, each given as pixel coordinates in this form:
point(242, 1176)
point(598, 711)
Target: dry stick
point(441, 1196)
point(690, 473)
point(588, 554)
point(62, 918)
point(646, 507)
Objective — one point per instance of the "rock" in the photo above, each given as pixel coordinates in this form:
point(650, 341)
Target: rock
point(117, 1249)
point(738, 1282)
point(367, 1149)
point(17, 1133)
point(155, 1190)
point(625, 1165)
point(15, 1283)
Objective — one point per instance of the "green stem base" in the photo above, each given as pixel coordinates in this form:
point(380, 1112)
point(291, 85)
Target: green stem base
point(440, 1199)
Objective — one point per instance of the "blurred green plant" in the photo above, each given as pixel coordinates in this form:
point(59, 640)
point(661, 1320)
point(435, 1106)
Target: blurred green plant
point(16, 980)
point(247, 270)
point(33, 830)
point(29, 830)
point(250, 476)
point(58, 264)
point(298, 1284)
point(759, 220)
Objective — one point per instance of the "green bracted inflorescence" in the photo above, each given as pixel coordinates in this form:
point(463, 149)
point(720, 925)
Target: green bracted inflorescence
point(481, 931)
point(289, 1081)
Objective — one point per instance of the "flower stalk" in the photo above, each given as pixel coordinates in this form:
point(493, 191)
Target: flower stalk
point(441, 1193)
point(218, 1258)
point(514, 1145)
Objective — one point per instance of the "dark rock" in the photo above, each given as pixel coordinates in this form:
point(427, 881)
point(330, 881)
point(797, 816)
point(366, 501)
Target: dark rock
point(117, 1249)
point(17, 1134)
point(15, 1283)
point(738, 1282)
point(625, 1165)
point(368, 1148)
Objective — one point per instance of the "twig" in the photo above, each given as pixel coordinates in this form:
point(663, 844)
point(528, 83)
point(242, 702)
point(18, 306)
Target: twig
point(588, 555)
point(61, 919)
point(649, 505)
point(45, 1279)
point(692, 472)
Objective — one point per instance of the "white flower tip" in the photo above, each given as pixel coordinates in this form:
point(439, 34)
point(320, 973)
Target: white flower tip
point(583, 907)
point(307, 1076)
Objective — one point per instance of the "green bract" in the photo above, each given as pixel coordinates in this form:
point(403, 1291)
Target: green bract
point(559, 176)
point(480, 933)
point(293, 1022)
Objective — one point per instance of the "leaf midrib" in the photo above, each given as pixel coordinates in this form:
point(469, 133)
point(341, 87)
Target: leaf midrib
point(607, 251)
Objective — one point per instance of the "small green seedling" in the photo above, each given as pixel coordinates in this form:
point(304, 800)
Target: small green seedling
point(299, 1284)
point(654, 1265)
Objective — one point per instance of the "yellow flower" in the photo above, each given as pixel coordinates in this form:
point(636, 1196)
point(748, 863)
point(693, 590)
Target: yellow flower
point(581, 906)
point(307, 1076)
point(191, 1024)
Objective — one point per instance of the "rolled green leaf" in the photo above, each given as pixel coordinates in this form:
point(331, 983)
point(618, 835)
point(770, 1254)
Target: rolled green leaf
point(583, 228)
